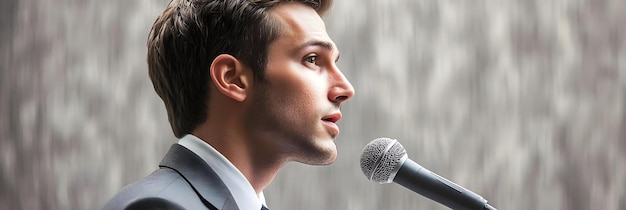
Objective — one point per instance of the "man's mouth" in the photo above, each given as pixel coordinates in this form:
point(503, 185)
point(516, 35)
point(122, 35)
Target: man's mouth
point(333, 118)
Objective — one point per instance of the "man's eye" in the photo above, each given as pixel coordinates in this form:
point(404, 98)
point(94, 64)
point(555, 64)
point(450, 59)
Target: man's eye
point(311, 59)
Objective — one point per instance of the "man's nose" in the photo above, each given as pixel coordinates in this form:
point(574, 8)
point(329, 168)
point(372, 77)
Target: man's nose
point(341, 90)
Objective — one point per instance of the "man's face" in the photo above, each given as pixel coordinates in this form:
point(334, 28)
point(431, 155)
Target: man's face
point(295, 110)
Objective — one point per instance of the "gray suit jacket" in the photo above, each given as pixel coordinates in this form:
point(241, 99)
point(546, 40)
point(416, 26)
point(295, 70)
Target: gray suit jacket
point(183, 181)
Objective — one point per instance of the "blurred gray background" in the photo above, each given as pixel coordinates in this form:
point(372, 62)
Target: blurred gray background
point(522, 102)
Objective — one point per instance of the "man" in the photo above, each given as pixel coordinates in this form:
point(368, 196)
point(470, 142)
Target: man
point(249, 85)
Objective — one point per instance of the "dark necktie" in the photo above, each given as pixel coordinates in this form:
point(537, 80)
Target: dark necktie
point(264, 208)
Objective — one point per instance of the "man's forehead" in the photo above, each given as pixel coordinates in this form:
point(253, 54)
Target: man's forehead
point(301, 26)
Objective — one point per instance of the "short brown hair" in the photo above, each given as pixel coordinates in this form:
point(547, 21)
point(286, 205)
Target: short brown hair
point(189, 34)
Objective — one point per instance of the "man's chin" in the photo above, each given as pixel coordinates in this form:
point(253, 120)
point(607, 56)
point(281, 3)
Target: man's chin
point(322, 155)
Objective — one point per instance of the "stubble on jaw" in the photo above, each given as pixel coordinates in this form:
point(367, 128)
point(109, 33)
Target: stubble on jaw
point(284, 140)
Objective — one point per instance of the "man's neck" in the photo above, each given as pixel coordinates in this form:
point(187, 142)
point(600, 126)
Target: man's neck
point(258, 166)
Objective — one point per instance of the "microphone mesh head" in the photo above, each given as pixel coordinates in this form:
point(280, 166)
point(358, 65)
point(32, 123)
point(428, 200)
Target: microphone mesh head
point(381, 159)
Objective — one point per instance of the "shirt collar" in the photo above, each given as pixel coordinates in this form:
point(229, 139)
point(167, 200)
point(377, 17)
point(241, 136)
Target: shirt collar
point(242, 191)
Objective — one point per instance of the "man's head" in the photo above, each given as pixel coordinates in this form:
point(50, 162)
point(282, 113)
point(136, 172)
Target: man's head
point(293, 115)
point(190, 34)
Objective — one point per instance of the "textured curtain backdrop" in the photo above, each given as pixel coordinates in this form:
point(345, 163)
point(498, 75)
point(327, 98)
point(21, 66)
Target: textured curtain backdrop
point(522, 102)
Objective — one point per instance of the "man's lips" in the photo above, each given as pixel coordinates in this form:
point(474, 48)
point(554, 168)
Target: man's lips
point(330, 120)
point(332, 117)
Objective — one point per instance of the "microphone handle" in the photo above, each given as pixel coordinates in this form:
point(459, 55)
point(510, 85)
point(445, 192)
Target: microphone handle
point(428, 184)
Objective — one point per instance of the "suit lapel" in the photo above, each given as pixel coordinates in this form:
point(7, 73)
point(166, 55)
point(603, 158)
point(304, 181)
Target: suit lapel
point(200, 176)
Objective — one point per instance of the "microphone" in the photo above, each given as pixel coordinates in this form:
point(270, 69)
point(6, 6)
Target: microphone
point(385, 160)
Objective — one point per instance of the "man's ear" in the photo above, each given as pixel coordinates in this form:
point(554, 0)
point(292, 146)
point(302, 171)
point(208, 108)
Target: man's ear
point(229, 77)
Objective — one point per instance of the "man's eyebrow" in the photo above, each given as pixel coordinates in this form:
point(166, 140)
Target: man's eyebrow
point(324, 44)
